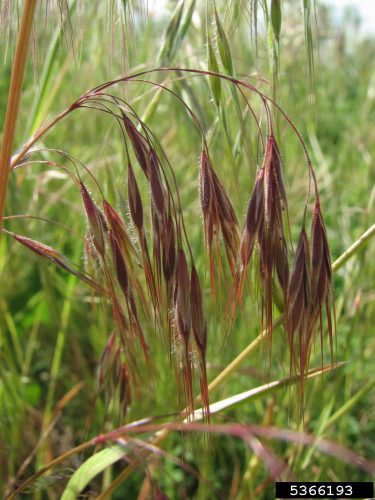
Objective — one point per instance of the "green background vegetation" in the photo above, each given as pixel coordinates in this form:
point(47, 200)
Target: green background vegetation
point(45, 313)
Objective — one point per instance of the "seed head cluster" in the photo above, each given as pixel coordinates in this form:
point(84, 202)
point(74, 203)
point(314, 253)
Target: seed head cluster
point(147, 274)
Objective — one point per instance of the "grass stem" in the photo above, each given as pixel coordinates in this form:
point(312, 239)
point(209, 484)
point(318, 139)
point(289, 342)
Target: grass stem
point(14, 99)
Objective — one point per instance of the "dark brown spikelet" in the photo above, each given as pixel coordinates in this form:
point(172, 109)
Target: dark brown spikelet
point(298, 317)
point(205, 185)
point(123, 281)
point(182, 322)
point(119, 264)
point(116, 367)
point(228, 221)
point(200, 334)
point(209, 210)
point(182, 297)
point(119, 229)
point(156, 250)
point(57, 258)
point(282, 265)
point(106, 359)
point(157, 190)
point(139, 143)
point(264, 226)
point(253, 219)
point(135, 201)
point(218, 214)
point(157, 217)
point(273, 254)
point(136, 213)
point(96, 220)
point(168, 242)
point(169, 250)
point(124, 391)
point(322, 280)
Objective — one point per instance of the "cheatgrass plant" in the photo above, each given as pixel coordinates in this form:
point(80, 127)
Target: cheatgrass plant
point(142, 265)
point(150, 274)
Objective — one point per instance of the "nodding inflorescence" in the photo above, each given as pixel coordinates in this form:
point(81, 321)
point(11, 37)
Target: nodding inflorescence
point(147, 271)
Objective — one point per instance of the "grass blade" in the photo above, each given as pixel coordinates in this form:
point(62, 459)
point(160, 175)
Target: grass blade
point(89, 469)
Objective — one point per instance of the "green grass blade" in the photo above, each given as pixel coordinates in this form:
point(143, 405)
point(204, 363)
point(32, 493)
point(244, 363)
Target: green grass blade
point(48, 77)
point(223, 46)
point(349, 404)
point(215, 83)
point(326, 422)
point(89, 469)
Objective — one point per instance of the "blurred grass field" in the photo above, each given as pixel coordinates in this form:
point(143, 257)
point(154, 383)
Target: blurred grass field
point(52, 334)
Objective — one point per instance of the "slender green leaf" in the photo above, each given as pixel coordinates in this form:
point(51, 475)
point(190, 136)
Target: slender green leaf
point(215, 82)
point(276, 18)
point(223, 46)
point(89, 469)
